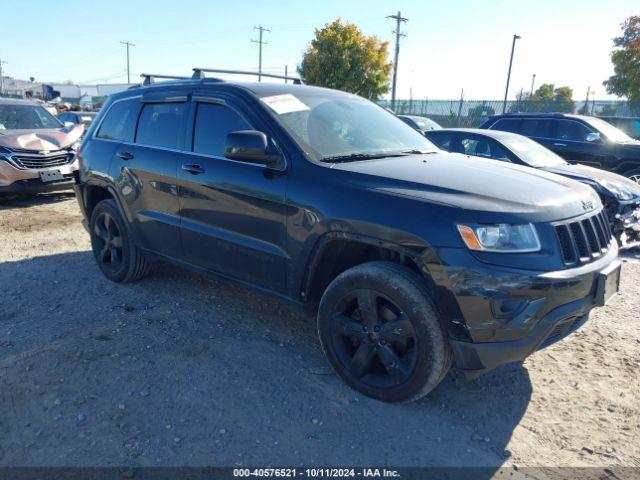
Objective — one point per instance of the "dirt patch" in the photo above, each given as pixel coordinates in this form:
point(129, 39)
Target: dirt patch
point(183, 370)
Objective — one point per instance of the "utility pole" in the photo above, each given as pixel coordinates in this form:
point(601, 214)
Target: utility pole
point(586, 102)
point(286, 73)
point(533, 80)
point(399, 19)
point(260, 29)
point(2, 62)
point(128, 44)
point(506, 90)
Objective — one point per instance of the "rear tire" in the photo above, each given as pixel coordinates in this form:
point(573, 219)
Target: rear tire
point(381, 333)
point(119, 259)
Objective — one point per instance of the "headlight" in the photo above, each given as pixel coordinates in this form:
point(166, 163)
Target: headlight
point(501, 237)
point(620, 190)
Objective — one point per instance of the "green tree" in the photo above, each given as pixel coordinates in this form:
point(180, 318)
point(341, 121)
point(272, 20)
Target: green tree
point(549, 98)
point(342, 57)
point(626, 62)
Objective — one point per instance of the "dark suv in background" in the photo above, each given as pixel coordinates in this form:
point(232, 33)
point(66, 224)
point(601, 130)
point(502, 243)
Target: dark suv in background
point(576, 138)
point(411, 257)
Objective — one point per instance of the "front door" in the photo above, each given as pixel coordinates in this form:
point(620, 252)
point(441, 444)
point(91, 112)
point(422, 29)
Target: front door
point(232, 212)
point(570, 142)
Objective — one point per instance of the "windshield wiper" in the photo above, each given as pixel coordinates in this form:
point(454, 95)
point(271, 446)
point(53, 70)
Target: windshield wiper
point(416, 151)
point(354, 157)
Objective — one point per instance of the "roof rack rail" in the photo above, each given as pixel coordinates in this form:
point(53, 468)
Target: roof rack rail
point(198, 74)
point(149, 78)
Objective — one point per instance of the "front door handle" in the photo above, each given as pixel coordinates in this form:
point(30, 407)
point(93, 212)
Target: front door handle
point(560, 144)
point(193, 169)
point(125, 155)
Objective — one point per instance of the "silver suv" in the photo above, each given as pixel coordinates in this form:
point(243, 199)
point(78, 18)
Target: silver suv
point(37, 151)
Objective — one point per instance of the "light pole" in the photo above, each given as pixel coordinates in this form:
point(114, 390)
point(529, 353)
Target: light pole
point(506, 90)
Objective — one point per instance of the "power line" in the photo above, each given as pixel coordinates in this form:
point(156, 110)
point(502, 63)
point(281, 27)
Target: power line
point(128, 44)
point(399, 20)
point(260, 29)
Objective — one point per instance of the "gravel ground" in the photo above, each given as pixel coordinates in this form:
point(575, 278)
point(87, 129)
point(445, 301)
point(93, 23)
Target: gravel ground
point(184, 370)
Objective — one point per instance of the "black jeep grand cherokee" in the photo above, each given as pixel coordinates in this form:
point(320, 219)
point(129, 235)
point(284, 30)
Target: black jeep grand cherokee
point(413, 258)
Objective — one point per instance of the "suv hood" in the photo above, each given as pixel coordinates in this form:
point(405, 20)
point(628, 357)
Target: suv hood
point(477, 184)
point(41, 140)
point(606, 183)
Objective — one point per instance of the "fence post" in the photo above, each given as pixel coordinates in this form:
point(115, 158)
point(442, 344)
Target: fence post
point(460, 107)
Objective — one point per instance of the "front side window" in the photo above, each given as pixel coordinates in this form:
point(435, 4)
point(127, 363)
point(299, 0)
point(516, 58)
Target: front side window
point(571, 131)
point(161, 124)
point(120, 121)
point(213, 123)
point(26, 117)
point(334, 126)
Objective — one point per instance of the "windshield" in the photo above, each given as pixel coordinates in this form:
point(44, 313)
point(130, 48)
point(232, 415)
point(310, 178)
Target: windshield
point(26, 117)
point(612, 133)
point(531, 153)
point(331, 124)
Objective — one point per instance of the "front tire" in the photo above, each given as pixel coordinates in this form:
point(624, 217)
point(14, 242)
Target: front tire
point(119, 259)
point(381, 333)
point(633, 175)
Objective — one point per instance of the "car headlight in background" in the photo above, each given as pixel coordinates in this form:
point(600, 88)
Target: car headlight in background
point(501, 237)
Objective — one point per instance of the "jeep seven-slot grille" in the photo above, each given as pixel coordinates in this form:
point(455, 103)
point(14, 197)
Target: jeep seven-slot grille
point(41, 161)
point(585, 239)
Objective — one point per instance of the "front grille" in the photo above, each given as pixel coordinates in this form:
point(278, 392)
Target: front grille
point(585, 239)
point(38, 161)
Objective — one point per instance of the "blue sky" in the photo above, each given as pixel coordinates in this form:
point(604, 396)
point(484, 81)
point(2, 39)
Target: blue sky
point(450, 44)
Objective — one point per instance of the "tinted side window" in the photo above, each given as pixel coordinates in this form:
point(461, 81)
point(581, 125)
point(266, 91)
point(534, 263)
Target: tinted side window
point(213, 124)
point(572, 131)
point(475, 146)
point(441, 139)
point(161, 124)
point(532, 127)
point(120, 122)
point(507, 125)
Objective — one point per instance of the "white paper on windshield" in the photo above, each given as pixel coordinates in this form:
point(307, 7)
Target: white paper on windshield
point(285, 103)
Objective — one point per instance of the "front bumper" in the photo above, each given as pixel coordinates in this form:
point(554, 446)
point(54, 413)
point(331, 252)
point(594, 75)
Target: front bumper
point(25, 181)
point(626, 225)
point(510, 315)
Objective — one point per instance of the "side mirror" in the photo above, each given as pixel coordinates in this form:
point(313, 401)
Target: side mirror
point(593, 137)
point(250, 146)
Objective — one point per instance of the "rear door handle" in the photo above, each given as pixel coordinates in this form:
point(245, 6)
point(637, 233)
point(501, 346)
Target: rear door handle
point(193, 169)
point(560, 144)
point(125, 155)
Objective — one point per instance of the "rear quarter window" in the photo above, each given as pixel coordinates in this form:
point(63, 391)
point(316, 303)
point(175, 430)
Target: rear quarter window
point(120, 121)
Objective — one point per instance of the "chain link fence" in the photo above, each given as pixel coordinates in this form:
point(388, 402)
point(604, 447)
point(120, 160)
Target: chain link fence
point(472, 113)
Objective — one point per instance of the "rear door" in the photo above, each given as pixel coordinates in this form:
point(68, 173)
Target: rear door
point(145, 172)
point(232, 212)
